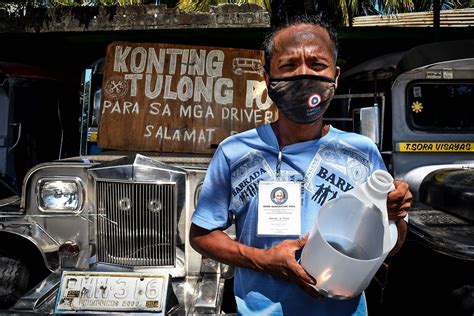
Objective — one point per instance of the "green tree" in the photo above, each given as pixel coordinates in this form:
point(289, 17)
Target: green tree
point(57, 3)
point(340, 11)
point(203, 5)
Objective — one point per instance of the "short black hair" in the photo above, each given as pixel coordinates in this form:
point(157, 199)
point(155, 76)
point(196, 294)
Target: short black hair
point(316, 20)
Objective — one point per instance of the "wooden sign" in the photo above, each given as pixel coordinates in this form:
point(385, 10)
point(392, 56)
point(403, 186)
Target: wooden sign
point(176, 98)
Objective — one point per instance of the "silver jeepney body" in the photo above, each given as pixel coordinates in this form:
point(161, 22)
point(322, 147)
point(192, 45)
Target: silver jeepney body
point(134, 214)
point(423, 100)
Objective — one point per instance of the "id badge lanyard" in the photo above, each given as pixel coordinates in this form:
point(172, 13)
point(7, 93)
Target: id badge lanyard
point(279, 205)
point(278, 166)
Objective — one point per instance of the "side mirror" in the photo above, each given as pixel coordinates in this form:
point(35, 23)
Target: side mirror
point(367, 123)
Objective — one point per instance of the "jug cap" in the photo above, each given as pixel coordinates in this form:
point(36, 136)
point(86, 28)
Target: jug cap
point(380, 181)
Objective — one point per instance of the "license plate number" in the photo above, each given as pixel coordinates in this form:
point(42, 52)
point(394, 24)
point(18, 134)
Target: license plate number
point(109, 291)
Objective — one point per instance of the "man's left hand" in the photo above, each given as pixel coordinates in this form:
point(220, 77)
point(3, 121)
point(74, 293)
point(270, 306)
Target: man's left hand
point(399, 201)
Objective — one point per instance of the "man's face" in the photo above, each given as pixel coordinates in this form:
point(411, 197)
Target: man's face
point(303, 49)
point(279, 195)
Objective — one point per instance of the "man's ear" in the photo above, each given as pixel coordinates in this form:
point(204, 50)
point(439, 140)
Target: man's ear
point(338, 72)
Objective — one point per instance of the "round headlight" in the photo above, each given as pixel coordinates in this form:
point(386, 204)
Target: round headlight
point(59, 195)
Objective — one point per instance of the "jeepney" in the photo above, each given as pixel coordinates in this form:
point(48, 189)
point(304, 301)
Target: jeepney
point(421, 102)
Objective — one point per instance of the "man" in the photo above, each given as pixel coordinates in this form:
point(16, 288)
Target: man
point(297, 151)
point(278, 196)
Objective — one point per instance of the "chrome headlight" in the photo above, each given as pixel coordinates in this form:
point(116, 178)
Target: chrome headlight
point(60, 194)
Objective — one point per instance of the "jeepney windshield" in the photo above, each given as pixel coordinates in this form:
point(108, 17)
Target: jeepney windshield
point(441, 106)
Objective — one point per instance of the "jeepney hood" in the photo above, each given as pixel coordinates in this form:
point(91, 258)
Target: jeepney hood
point(448, 187)
point(416, 176)
point(136, 168)
point(134, 211)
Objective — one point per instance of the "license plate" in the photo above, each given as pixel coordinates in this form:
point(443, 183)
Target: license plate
point(110, 291)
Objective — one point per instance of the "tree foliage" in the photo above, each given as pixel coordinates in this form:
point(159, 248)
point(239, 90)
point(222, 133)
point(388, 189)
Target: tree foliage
point(339, 11)
point(203, 5)
point(56, 3)
point(19, 7)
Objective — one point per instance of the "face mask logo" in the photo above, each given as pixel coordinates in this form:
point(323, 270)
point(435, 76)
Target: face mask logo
point(314, 100)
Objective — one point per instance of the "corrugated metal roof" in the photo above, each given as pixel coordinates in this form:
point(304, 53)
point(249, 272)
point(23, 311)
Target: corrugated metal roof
point(448, 18)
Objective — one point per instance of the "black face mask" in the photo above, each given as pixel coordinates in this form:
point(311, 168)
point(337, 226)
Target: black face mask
point(303, 98)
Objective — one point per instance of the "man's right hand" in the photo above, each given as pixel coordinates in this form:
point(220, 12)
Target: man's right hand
point(280, 262)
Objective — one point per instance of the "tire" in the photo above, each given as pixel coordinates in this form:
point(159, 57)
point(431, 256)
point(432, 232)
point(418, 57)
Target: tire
point(14, 277)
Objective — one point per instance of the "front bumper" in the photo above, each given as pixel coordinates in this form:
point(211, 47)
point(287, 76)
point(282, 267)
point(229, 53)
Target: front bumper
point(196, 295)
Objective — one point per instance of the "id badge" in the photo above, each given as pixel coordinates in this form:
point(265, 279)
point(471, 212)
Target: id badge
point(279, 208)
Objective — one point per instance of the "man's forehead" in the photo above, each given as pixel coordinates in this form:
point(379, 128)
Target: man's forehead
point(301, 35)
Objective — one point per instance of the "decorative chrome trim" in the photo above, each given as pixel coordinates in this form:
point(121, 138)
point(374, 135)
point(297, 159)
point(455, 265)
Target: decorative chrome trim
point(209, 295)
point(39, 295)
point(174, 219)
point(131, 181)
point(86, 95)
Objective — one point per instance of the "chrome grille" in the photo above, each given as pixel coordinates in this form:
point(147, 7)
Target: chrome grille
point(136, 223)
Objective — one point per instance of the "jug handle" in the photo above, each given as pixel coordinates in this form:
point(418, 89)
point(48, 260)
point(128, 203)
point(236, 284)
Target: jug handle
point(393, 228)
point(393, 234)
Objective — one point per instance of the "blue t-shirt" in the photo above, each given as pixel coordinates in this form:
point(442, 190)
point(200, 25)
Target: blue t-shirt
point(327, 166)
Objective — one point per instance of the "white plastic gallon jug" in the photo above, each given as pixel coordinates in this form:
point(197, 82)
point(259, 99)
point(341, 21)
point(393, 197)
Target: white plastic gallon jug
point(351, 238)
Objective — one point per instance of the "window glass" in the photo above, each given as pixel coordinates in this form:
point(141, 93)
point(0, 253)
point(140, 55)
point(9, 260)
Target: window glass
point(441, 106)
